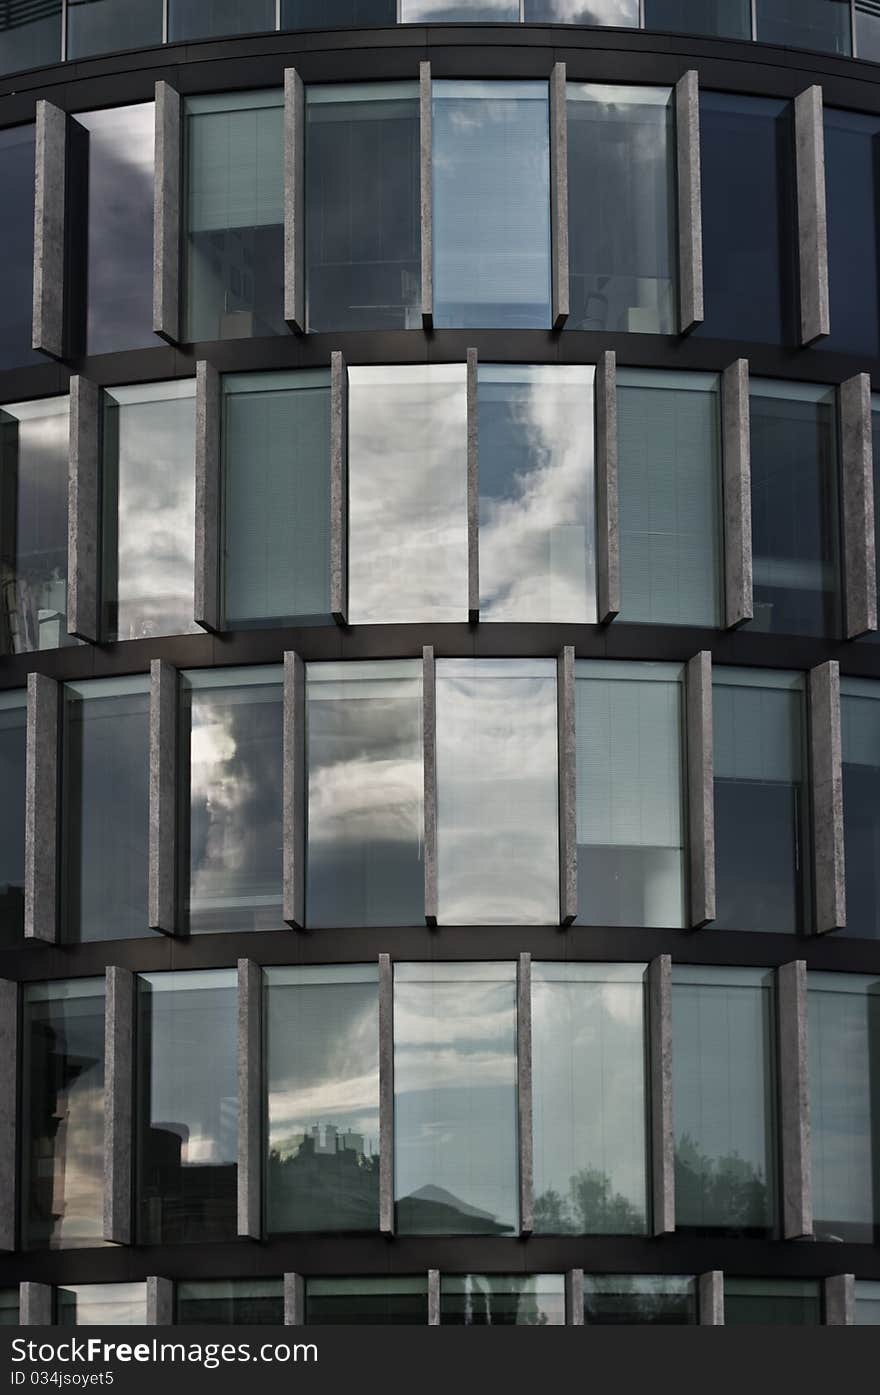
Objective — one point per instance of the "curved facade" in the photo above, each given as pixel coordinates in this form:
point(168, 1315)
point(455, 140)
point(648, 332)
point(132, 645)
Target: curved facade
point(439, 693)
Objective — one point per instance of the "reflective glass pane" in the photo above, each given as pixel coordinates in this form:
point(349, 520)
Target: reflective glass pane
point(629, 794)
point(363, 238)
point(105, 785)
point(104, 1305)
point(619, 13)
point(868, 29)
point(30, 36)
point(491, 172)
point(669, 485)
point(795, 541)
point(33, 525)
point(17, 147)
point(9, 1307)
point(149, 510)
point(62, 1131)
point(465, 11)
point(13, 742)
point(818, 24)
point(537, 495)
point(844, 1040)
point(497, 792)
point(365, 772)
point(322, 1128)
point(455, 1112)
point(407, 494)
point(852, 148)
point(276, 496)
point(621, 200)
point(867, 1303)
point(234, 212)
point(501, 1300)
point(233, 1302)
point(729, 19)
point(344, 14)
point(588, 1092)
point(186, 1162)
point(105, 26)
point(390, 1300)
point(772, 1301)
point(193, 19)
point(860, 731)
point(628, 1299)
point(231, 829)
point(761, 801)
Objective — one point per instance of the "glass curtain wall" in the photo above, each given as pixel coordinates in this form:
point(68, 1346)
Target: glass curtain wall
point(392, 1300)
point(466, 11)
point(868, 29)
point(726, 19)
point(787, 1302)
point(620, 13)
point(819, 24)
point(345, 14)
point(230, 1302)
point(860, 732)
point(106, 26)
point(30, 36)
point(101, 1305)
point(615, 1300)
point(852, 146)
point(193, 19)
point(13, 745)
point(502, 1300)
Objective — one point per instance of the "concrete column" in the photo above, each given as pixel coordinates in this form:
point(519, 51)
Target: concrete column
point(662, 1139)
point(826, 796)
point(41, 830)
point(164, 702)
point(473, 487)
point(120, 1004)
point(857, 506)
point(9, 1057)
point(36, 1305)
point(811, 215)
point(524, 1094)
point(50, 196)
point(794, 1101)
point(840, 1300)
point(567, 741)
point(711, 1299)
point(559, 193)
point(294, 201)
point(294, 1300)
point(737, 477)
point(84, 511)
point(338, 488)
point(429, 749)
point(160, 1302)
point(426, 193)
point(386, 1096)
point(295, 792)
point(701, 789)
point(166, 213)
point(206, 584)
point(574, 1298)
point(433, 1297)
point(250, 1099)
point(607, 518)
point(690, 218)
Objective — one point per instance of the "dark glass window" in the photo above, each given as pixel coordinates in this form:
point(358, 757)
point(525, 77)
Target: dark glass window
point(101, 1305)
point(860, 723)
point(194, 19)
point(363, 235)
point(344, 14)
point(30, 36)
point(105, 26)
point(761, 800)
point(818, 24)
point(868, 29)
point(231, 769)
point(749, 242)
point(62, 1130)
point(17, 155)
point(186, 1164)
point(502, 1300)
point(619, 13)
point(391, 1300)
point(621, 208)
point(795, 542)
point(852, 167)
point(322, 1127)
point(628, 1299)
point(867, 1303)
point(230, 1302)
point(13, 741)
point(790, 1302)
point(9, 1307)
point(728, 19)
point(105, 786)
point(465, 11)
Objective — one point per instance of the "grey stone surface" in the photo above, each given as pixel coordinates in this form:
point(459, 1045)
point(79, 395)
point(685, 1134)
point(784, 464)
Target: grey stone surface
point(163, 797)
point(84, 510)
point(119, 1026)
point(662, 1140)
point(826, 797)
point(840, 1300)
point(429, 749)
point(574, 1298)
point(811, 214)
point(690, 218)
point(8, 1110)
point(36, 1305)
point(711, 1299)
point(50, 194)
point(250, 1107)
point(295, 792)
point(607, 517)
point(41, 830)
point(524, 1094)
point(473, 488)
point(701, 791)
point(433, 1297)
point(166, 215)
point(338, 488)
point(794, 1101)
point(294, 201)
point(386, 1096)
point(294, 1300)
point(567, 743)
point(559, 193)
point(857, 506)
point(160, 1302)
point(426, 193)
point(737, 477)
point(206, 580)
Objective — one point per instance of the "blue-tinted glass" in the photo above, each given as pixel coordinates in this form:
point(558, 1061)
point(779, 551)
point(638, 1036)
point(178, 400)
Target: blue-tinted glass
point(17, 262)
point(13, 721)
point(30, 34)
point(464, 12)
point(852, 165)
point(860, 723)
point(342, 14)
point(728, 19)
point(868, 29)
point(622, 14)
point(389, 1301)
point(105, 26)
point(749, 249)
point(819, 24)
point(196, 19)
point(232, 1302)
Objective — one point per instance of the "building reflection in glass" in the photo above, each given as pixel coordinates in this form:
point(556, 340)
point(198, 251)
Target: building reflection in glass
point(104, 1305)
point(501, 1300)
point(626, 1299)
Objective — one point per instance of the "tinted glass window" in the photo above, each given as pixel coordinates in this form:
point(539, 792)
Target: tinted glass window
point(771, 1301)
point(860, 730)
point(867, 1303)
point(9, 1307)
point(193, 19)
point(623, 13)
point(468, 11)
point(29, 37)
point(345, 14)
point(105, 1305)
point(627, 1299)
point(729, 19)
point(104, 26)
point(852, 150)
point(499, 1300)
point(17, 263)
point(819, 24)
point(390, 1300)
point(868, 30)
point(13, 741)
point(234, 1302)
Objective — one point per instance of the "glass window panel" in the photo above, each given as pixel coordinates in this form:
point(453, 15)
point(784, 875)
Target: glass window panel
point(105, 785)
point(276, 496)
point(761, 800)
point(621, 197)
point(868, 29)
point(187, 1107)
point(33, 525)
point(9, 1307)
point(30, 36)
point(818, 24)
point(465, 11)
point(860, 731)
point(322, 1051)
point(234, 211)
point(17, 154)
point(232, 1302)
point(390, 1300)
point(629, 794)
point(589, 1105)
point(103, 1305)
point(501, 1300)
point(407, 494)
point(852, 149)
point(231, 736)
point(622, 14)
point(149, 510)
point(627, 1299)
point(344, 14)
point(867, 1303)
point(455, 1111)
point(62, 1130)
point(537, 494)
point(723, 1033)
point(491, 172)
point(497, 792)
point(365, 773)
point(844, 1041)
point(772, 1301)
point(795, 541)
point(13, 743)
point(363, 231)
point(749, 240)
point(193, 19)
point(728, 19)
point(106, 26)
point(669, 483)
